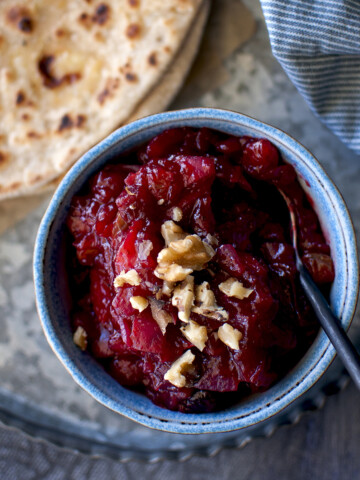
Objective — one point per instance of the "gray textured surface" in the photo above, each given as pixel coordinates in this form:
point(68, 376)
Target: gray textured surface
point(324, 445)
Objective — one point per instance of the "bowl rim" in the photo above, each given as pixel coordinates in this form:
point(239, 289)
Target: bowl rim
point(317, 362)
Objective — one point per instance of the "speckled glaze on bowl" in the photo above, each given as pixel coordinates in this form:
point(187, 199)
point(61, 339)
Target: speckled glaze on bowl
point(53, 299)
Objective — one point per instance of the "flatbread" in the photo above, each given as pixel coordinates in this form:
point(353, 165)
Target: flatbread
point(165, 91)
point(71, 71)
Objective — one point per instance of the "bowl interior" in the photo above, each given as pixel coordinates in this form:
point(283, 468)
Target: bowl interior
point(53, 296)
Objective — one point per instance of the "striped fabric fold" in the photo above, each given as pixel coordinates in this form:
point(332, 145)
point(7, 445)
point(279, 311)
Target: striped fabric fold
point(317, 42)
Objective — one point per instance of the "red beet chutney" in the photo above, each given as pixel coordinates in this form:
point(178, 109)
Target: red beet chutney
point(182, 270)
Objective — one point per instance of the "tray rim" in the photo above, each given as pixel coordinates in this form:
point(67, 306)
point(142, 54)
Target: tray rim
point(96, 449)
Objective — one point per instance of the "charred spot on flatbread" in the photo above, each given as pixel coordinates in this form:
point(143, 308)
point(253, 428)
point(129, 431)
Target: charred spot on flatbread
point(102, 14)
point(99, 17)
point(85, 20)
point(20, 98)
point(133, 3)
point(152, 59)
point(34, 135)
point(67, 122)
point(80, 120)
point(4, 159)
point(60, 32)
point(49, 79)
point(133, 31)
point(131, 77)
point(111, 85)
point(20, 18)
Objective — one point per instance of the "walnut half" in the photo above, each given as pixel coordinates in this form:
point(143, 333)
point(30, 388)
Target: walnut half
point(183, 255)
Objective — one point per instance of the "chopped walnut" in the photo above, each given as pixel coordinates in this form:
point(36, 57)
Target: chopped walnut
point(205, 296)
point(161, 201)
point(233, 288)
point(172, 273)
point(176, 214)
point(80, 338)
point(196, 334)
point(131, 277)
point(212, 240)
point(183, 298)
point(161, 316)
point(182, 256)
point(171, 232)
point(206, 304)
point(167, 288)
point(183, 364)
point(139, 303)
point(230, 336)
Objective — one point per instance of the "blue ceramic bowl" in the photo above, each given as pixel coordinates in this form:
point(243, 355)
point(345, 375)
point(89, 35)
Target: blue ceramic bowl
point(52, 293)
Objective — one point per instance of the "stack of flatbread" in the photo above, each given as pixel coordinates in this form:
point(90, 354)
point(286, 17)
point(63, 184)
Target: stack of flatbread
point(72, 71)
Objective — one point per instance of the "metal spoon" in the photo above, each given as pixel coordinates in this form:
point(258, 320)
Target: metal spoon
point(330, 323)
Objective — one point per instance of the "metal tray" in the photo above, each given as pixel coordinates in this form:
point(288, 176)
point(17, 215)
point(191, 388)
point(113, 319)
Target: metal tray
point(39, 397)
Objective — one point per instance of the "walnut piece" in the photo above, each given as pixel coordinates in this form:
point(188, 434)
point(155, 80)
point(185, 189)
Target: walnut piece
point(161, 316)
point(206, 304)
point(171, 232)
point(167, 288)
point(205, 296)
point(183, 364)
point(212, 240)
point(230, 336)
point(139, 303)
point(233, 288)
point(131, 277)
point(183, 298)
point(80, 338)
point(196, 334)
point(172, 272)
point(184, 254)
point(176, 214)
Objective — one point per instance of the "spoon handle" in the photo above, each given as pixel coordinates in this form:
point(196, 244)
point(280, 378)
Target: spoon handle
point(332, 326)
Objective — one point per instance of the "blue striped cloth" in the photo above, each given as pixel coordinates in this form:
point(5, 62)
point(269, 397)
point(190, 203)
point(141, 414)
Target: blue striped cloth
point(317, 42)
